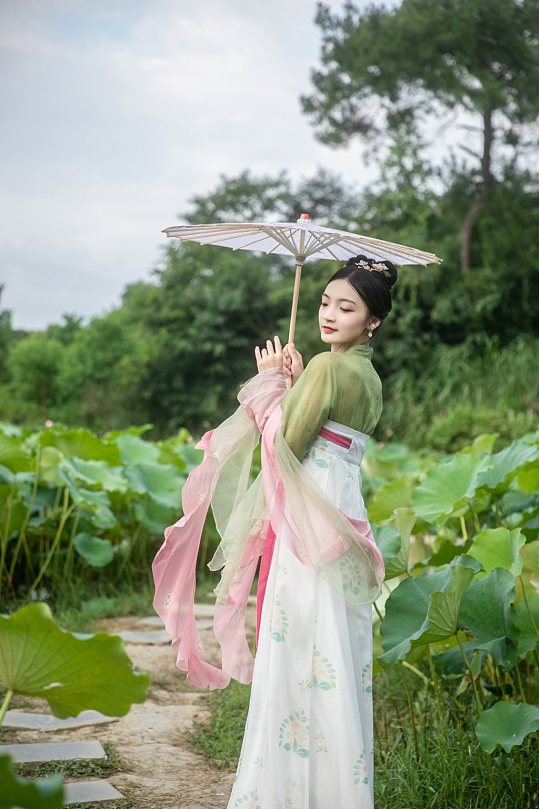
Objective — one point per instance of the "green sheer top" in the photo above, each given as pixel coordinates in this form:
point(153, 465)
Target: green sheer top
point(341, 386)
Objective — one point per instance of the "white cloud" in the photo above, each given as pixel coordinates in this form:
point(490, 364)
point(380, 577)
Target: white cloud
point(115, 112)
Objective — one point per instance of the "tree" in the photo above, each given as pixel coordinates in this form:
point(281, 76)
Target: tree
point(6, 337)
point(245, 198)
point(34, 366)
point(381, 67)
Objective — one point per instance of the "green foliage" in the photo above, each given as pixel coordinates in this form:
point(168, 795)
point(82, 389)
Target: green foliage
point(381, 66)
point(73, 674)
point(506, 725)
point(39, 794)
point(76, 507)
point(466, 576)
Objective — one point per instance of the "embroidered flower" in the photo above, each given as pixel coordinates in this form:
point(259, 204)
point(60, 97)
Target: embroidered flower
point(366, 678)
point(248, 801)
point(279, 622)
point(294, 734)
point(360, 769)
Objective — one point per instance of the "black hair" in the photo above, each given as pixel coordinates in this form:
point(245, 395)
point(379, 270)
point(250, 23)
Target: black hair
point(372, 285)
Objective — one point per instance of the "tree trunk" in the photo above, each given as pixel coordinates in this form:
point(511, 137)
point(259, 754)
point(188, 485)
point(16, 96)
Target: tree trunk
point(466, 230)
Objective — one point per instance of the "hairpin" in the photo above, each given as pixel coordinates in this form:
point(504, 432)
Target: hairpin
point(379, 267)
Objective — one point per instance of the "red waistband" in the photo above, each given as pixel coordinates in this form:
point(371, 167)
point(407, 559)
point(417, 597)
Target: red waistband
point(336, 438)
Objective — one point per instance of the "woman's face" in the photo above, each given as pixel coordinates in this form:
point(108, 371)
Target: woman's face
point(343, 317)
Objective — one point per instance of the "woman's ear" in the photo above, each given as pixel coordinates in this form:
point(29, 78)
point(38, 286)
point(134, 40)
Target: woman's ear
point(374, 323)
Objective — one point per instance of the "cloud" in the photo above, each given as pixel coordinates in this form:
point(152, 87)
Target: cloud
point(116, 112)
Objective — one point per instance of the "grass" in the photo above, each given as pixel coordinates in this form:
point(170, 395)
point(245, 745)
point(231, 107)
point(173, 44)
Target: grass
point(220, 741)
point(449, 770)
point(98, 768)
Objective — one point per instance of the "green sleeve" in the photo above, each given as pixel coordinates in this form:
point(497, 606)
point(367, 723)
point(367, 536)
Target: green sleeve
point(306, 406)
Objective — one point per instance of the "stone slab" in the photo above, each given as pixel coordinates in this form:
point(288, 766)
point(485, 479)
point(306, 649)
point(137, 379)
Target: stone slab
point(43, 721)
point(204, 624)
point(157, 638)
point(153, 620)
point(90, 791)
point(53, 751)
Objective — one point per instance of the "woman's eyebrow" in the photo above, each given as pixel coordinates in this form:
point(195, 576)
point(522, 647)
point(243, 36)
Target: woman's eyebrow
point(325, 295)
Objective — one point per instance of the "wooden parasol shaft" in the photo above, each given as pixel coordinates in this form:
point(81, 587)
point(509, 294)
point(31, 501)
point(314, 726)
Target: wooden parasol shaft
point(295, 298)
point(294, 310)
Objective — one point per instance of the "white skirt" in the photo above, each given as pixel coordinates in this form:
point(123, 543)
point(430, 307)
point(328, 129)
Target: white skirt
point(308, 741)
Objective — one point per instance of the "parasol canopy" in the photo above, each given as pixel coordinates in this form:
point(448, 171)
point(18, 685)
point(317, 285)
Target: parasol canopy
point(303, 240)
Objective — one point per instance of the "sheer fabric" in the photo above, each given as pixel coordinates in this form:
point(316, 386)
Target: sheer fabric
point(284, 496)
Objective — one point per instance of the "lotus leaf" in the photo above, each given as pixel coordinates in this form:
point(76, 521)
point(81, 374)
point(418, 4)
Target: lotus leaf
point(487, 615)
point(425, 609)
point(135, 450)
point(392, 495)
point(162, 483)
point(528, 478)
point(394, 542)
point(80, 443)
point(154, 516)
point(498, 547)
point(528, 628)
point(109, 478)
point(447, 486)
point(13, 456)
point(73, 674)
point(97, 552)
point(506, 463)
point(507, 725)
point(41, 793)
point(483, 443)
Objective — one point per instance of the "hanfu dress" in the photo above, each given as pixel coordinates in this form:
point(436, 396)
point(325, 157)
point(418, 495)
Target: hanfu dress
point(308, 741)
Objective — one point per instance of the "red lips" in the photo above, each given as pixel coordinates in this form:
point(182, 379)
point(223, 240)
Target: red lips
point(328, 329)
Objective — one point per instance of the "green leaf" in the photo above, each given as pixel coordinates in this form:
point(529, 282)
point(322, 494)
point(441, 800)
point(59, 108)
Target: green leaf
point(135, 450)
point(40, 793)
point(499, 547)
point(425, 609)
point(528, 639)
point(482, 444)
point(154, 516)
point(447, 486)
point(507, 725)
point(528, 478)
point(163, 483)
point(39, 659)
point(13, 456)
point(97, 552)
point(110, 478)
point(394, 542)
point(505, 464)
point(81, 444)
point(487, 615)
point(390, 496)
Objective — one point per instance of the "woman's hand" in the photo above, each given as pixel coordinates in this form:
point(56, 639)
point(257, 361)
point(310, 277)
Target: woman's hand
point(269, 357)
point(293, 363)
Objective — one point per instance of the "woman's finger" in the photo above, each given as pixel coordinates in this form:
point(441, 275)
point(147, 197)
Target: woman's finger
point(269, 346)
point(278, 346)
point(257, 352)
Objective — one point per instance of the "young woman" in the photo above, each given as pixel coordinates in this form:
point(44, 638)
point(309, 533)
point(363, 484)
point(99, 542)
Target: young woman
point(308, 740)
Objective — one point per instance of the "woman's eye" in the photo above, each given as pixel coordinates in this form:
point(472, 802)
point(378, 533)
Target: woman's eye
point(323, 304)
point(346, 310)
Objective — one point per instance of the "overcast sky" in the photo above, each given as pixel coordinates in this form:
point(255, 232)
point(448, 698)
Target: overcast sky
point(115, 112)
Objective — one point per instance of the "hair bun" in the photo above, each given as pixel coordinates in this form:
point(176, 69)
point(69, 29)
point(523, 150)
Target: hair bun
point(384, 269)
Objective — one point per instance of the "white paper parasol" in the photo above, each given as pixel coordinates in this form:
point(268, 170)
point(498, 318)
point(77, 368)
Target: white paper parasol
point(302, 240)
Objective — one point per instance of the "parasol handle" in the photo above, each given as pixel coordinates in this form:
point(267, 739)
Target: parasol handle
point(294, 310)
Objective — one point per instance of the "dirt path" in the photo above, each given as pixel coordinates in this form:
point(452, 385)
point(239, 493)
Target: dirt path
point(160, 770)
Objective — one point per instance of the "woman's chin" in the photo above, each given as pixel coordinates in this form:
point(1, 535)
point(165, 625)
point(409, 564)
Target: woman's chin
point(327, 338)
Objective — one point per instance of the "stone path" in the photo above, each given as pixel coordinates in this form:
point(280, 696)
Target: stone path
point(160, 770)
point(42, 721)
